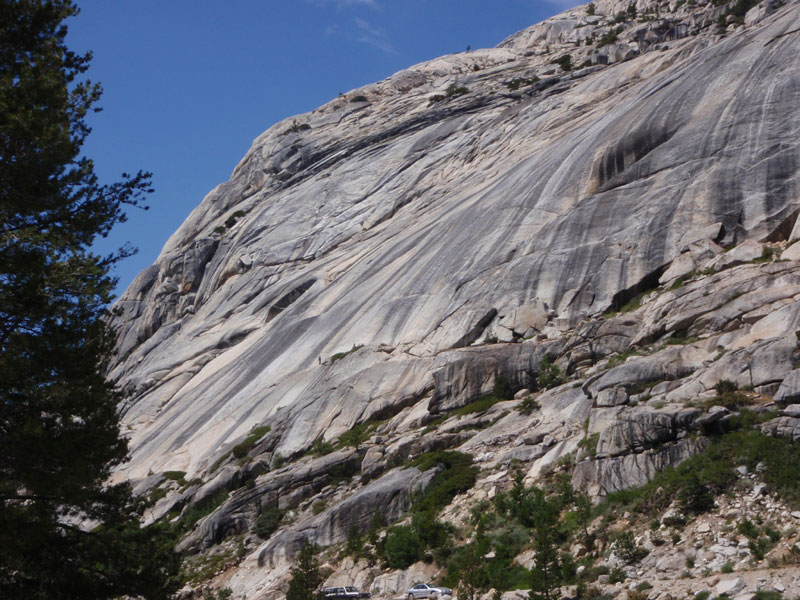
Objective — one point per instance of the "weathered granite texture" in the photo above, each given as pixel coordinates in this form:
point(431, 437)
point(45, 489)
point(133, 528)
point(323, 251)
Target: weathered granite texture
point(415, 226)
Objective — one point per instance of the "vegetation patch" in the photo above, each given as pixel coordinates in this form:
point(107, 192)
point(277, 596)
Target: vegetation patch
point(341, 355)
point(609, 37)
point(696, 481)
point(565, 62)
point(501, 391)
point(518, 82)
point(268, 522)
point(548, 374)
point(241, 449)
point(527, 406)
point(297, 128)
point(452, 91)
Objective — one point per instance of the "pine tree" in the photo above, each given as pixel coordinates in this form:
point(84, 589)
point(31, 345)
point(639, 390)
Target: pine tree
point(546, 573)
point(305, 575)
point(64, 533)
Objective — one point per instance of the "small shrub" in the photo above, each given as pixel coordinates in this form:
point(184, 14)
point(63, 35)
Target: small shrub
point(318, 507)
point(589, 443)
point(242, 449)
point(695, 498)
point(268, 522)
point(565, 62)
point(355, 436)
point(704, 595)
point(527, 406)
point(297, 128)
point(730, 400)
point(609, 37)
point(278, 460)
point(616, 575)
point(501, 391)
point(767, 255)
point(359, 98)
point(747, 528)
point(321, 447)
point(548, 374)
point(727, 567)
point(628, 550)
point(457, 475)
point(590, 9)
point(179, 476)
point(355, 542)
point(218, 463)
point(454, 90)
point(518, 82)
point(341, 355)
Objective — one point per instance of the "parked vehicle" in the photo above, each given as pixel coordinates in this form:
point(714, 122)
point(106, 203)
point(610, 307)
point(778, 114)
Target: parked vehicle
point(347, 591)
point(426, 590)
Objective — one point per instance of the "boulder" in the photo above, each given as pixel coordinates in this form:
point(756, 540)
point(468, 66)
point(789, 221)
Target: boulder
point(729, 587)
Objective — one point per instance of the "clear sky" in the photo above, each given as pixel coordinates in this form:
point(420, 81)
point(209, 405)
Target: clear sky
point(189, 84)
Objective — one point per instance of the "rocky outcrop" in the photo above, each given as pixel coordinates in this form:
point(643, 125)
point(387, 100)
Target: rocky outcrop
point(605, 240)
point(414, 226)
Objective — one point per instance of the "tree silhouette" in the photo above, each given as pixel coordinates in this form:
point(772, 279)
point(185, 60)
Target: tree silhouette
point(64, 533)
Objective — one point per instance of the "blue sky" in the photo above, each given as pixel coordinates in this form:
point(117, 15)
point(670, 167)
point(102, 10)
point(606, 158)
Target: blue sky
point(190, 83)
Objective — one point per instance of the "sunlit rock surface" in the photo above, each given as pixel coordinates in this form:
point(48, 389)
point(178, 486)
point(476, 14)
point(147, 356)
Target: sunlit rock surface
point(409, 228)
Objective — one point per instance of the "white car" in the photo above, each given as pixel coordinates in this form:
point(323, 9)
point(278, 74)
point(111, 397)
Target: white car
point(425, 590)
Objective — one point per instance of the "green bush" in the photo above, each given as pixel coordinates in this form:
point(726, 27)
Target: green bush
point(548, 374)
point(456, 475)
point(178, 476)
point(242, 449)
point(454, 90)
point(565, 62)
point(727, 568)
point(268, 522)
point(355, 542)
point(321, 447)
point(628, 550)
point(695, 497)
point(747, 528)
point(193, 513)
point(518, 82)
point(402, 547)
point(616, 575)
point(502, 391)
point(355, 436)
point(341, 355)
point(359, 98)
point(609, 37)
point(589, 443)
point(527, 406)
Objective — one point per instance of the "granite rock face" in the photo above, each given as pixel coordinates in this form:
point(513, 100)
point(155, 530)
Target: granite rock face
point(412, 225)
point(607, 237)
